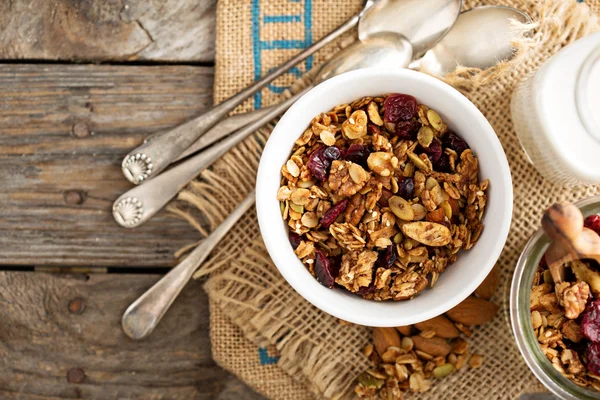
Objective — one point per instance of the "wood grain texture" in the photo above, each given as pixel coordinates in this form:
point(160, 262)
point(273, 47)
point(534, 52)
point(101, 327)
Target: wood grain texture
point(48, 352)
point(64, 130)
point(108, 30)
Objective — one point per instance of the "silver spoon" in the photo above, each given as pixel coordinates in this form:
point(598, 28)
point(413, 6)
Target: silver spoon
point(144, 314)
point(152, 157)
point(480, 38)
point(406, 17)
point(140, 203)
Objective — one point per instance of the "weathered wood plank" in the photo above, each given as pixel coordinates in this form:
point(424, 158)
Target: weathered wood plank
point(64, 130)
point(50, 349)
point(108, 30)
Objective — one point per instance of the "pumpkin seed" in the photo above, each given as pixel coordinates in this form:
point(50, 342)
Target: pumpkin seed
point(443, 370)
point(369, 381)
point(398, 238)
point(447, 209)
point(297, 208)
point(401, 208)
point(435, 120)
point(425, 136)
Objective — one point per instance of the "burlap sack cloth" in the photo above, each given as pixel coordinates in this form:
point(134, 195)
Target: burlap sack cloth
point(261, 329)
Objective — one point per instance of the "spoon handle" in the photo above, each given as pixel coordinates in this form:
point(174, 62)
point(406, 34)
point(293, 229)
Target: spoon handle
point(144, 314)
point(222, 129)
point(139, 204)
point(147, 160)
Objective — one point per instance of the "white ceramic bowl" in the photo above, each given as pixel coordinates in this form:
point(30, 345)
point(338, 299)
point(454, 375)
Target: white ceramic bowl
point(461, 278)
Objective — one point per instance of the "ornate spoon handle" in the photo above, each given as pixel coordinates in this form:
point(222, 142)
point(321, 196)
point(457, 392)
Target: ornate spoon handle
point(137, 205)
point(144, 314)
point(147, 160)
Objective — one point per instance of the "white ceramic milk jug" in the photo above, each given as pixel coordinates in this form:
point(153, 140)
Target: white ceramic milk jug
point(556, 114)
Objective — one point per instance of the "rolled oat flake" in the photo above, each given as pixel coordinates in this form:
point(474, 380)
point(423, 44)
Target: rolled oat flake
point(556, 113)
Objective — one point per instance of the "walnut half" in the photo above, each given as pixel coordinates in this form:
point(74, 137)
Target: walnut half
point(347, 178)
point(573, 297)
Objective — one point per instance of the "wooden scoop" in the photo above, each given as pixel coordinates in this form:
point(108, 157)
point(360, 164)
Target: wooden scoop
point(563, 222)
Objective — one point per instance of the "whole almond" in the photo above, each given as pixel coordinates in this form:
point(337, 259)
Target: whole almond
point(488, 287)
point(473, 311)
point(383, 338)
point(405, 330)
point(441, 325)
point(434, 346)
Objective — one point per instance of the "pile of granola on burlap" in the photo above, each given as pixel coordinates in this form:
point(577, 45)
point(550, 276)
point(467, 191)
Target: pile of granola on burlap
point(252, 305)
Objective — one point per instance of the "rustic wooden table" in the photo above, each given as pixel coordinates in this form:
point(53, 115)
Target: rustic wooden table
point(81, 83)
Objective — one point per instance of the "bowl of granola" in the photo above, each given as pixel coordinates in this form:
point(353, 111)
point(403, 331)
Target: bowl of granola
point(557, 325)
point(384, 197)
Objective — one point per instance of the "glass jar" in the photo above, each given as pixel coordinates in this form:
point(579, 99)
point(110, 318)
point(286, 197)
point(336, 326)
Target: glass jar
point(555, 114)
point(520, 314)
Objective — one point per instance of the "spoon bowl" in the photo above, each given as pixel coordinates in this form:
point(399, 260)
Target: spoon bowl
point(384, 49)
point(422, 23)
point(480, 38)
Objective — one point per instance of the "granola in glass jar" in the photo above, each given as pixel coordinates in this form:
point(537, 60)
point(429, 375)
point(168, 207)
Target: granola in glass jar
point(566, 317)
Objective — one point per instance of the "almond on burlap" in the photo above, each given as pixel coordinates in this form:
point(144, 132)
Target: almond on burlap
point(383, 338)
point(489, 285)
point(434, 346)
point(473, 311)
point(441, 325)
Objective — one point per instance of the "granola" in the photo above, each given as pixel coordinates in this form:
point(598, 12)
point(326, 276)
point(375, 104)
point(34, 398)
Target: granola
point(411, 358)
point(565, 317)
point(380, 196)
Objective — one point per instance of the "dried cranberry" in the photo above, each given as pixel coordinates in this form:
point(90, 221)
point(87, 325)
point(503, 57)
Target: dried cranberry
point(406, 188)
point(319, 164)
point(323, 270)
point(365, 290)
point(399, 107)
point(454, 142)
point(593, 356)
point(373, 129)
point(334, 212)
point(593, 222)
point(434, 151)
point(387, 257)
point(332, 153)
point(336, 264)
point(443, 164)
point(358, 153)
point(590, 323)
point(295, 239)
point(407, 129)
